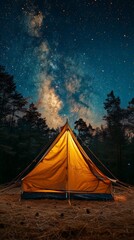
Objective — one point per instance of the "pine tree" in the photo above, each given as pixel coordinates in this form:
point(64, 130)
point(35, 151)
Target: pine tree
point(7, 88)
point(11, 102)
point(34, 134)
point(115, 129)
point(85, 132)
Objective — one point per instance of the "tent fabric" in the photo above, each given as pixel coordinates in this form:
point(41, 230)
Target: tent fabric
point(65, 167)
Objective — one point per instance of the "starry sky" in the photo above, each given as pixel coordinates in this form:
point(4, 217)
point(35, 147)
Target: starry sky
point(67, 55)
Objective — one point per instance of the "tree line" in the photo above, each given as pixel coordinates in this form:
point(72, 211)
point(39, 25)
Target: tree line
point(24, 132)
point(114, 143)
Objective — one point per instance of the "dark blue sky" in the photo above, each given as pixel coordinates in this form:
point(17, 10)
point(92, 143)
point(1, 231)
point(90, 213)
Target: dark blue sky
point(67, 55)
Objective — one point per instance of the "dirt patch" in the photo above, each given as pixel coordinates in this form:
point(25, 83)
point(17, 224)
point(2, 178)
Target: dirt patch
point(53, 219)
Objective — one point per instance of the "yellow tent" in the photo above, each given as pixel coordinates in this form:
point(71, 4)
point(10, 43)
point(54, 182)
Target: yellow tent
point(66, 171)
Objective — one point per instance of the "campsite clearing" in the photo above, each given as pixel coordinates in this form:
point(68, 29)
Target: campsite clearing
point(58, 219)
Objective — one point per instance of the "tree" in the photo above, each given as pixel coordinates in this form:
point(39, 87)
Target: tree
point(129, 131)
point(115, 128)
point(11, 102)
point(11, 107)
point(7, 88)
point(31, 118)
point(18, 106)
point(34, 134)
point(23, 131)
point(129, 119)
point(85, 132)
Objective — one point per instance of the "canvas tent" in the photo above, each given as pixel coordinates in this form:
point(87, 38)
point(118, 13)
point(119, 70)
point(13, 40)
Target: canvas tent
point(66, 171)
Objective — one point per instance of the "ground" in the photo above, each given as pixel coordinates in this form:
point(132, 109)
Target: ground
point(61, 219)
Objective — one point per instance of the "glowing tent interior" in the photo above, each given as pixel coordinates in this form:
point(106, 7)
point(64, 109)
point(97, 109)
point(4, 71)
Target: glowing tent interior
point(65, 172)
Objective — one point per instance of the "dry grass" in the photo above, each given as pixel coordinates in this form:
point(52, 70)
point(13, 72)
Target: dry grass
point(57, 220)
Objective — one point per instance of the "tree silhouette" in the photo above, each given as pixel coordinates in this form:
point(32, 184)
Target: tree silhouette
point(11, 102)
point(114, 120)
point(85, 132)
point(7, 88)
point(22, 129)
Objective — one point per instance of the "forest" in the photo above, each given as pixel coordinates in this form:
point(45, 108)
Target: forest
point(24, 133)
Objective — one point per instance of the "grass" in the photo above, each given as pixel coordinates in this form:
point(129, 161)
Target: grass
point(58, 220)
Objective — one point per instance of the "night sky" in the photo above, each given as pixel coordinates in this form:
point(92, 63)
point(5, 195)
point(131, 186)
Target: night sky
point(67, 55)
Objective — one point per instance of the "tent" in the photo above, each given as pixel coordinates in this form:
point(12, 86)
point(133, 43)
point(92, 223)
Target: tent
point(65, 171)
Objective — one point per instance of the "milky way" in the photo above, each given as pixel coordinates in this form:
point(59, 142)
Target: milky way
point(66, 56)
